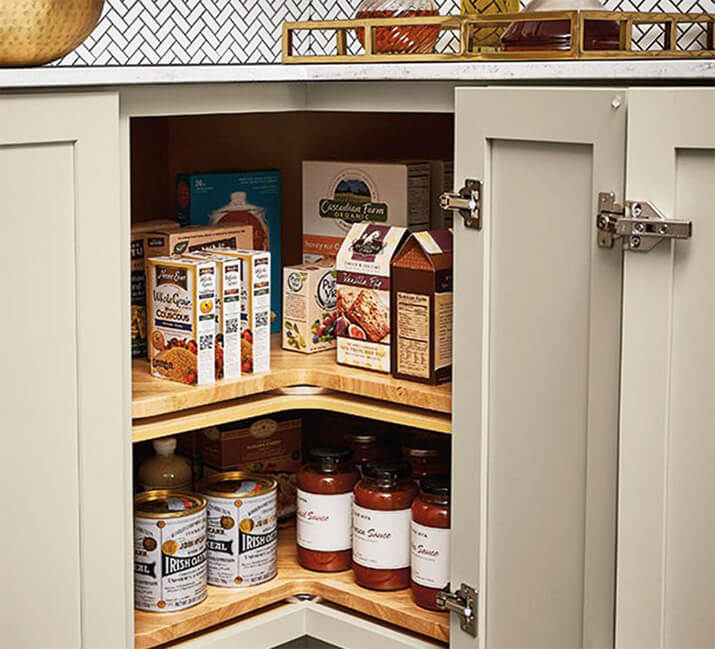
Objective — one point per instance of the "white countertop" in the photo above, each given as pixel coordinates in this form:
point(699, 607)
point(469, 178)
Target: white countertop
point(694, 69)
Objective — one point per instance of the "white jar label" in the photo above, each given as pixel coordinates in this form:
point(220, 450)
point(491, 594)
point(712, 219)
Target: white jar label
point(430, 556)
point(324, 521)
point(381, 539)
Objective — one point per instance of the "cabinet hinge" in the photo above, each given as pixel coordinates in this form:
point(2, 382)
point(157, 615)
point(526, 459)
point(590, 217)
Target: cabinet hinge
point(464, 603)
point(467, 201)
point(641, 224)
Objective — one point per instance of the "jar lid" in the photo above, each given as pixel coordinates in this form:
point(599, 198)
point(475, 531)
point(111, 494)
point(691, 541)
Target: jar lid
point(437, 485)
point(360, 438)
point(330, 454)
point(424, 448)
point(386, 469)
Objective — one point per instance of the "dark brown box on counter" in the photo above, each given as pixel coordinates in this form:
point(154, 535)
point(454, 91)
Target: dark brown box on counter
point(422, 308)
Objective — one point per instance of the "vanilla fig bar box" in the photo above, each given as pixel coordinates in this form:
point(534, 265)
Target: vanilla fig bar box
point(363, 274)
point(182, 319)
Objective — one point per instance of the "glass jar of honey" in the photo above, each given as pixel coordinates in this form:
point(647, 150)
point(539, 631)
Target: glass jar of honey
point(324, 509)
point(430, 542)
point(381, 525)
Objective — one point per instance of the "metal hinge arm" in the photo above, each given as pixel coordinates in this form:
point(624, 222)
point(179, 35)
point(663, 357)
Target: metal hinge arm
point(464, 602)
point(640, 224)
point(467, 201)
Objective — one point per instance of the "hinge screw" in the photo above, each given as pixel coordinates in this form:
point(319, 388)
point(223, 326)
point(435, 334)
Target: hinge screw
point(663, 229)
point(635, 242)
point(636, 210)
point(639, 227)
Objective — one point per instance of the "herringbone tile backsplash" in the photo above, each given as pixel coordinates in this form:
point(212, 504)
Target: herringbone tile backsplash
point(219, 32)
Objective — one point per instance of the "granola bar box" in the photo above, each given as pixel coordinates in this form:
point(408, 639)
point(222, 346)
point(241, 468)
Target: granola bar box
point(227, 348)
point(138, 280)
point(422, 308)
point(338, 194)
point(179, 241)
point(309, 308)
point(182, 319)
point(363, 274)
point(255, 308)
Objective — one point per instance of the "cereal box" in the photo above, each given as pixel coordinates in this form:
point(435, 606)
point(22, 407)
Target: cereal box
point(238, 197)
point(309, 308)
point(182, 319)
point(338, 194)
point(422, 308)
point(363, 275)
point(228, 313)
point(255, 308)
point(170, 242)
point(138, 280)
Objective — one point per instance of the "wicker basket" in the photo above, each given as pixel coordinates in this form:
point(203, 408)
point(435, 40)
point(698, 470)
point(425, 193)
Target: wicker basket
point(33, 32)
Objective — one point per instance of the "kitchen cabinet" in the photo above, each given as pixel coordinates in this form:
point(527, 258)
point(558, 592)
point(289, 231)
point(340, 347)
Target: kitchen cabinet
point(559, 344)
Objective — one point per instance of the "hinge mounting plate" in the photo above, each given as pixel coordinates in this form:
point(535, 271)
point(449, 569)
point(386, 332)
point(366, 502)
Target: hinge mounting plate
point(640, 224)
point(465, 604)
point(467, 201)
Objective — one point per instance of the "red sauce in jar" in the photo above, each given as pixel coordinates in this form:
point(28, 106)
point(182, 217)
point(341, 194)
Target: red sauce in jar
point(430, 542)
point(367, 448)
point(426, 457)
point(324, 516)
point(381, 525)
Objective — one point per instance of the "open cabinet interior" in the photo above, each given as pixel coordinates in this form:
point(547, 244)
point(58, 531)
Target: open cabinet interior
point(341, 398)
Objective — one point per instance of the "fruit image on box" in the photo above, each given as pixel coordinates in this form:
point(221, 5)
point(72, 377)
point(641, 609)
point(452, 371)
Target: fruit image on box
point(363, 324)
point(309, 308)
point(251, 198)
point(337, 195)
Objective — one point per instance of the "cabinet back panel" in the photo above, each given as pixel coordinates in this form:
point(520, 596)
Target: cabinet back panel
point(39, 387)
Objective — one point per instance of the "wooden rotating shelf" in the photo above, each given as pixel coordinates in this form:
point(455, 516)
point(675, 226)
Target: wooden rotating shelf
point(225, 604)
point(162, 407)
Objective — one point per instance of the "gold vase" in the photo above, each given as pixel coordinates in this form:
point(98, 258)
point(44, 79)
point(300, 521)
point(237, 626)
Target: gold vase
point(33, 32)
point(488, 38)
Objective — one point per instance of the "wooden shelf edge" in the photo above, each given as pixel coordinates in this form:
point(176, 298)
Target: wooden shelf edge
point(226, 604)
point(152, 397)
point(262, 405)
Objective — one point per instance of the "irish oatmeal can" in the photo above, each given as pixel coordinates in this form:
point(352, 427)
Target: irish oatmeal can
point(169, 550)
point(242, 528)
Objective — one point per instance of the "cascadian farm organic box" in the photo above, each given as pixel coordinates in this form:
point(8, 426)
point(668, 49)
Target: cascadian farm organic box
point(363, 326)
point(182, 319)
point(337, 195)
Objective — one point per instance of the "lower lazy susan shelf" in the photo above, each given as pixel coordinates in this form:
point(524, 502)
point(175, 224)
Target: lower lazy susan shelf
point(227, 604)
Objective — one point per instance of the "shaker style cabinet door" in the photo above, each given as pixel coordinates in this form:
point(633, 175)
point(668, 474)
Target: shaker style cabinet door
point(64, 427)
point(666, 515)
point(536, 367)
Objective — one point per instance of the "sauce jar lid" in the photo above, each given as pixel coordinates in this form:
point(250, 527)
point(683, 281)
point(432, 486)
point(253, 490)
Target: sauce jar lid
point(387, 469)
point(360, 438)
point(330, 454)
point(437, 485)
point(424, 448)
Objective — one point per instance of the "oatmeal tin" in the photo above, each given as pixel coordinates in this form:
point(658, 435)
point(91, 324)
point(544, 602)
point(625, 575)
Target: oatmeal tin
point(169, 550)
point(242, 528)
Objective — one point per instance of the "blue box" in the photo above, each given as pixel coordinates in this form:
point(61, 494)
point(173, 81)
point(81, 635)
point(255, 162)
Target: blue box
point(250, 197)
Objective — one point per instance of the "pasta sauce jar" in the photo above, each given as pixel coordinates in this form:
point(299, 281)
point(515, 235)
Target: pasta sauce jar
point(426, 457)
point(381, 525)
point(367, 448)
point(324, 516)
point(430, 542)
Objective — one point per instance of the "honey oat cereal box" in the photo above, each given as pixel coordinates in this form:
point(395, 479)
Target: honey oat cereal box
point(182, 319)
point(309, 308)
point(364, 282)
point(255, 308)
point(227, 348)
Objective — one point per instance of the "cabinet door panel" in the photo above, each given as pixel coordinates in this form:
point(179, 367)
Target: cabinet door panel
point(537, 308)
point(666, 569)
point(63, 381)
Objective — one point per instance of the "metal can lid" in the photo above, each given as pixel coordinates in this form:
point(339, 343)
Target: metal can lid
point(167, 503)
point(238, 484)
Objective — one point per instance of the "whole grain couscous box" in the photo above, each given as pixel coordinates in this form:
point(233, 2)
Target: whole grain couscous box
point(182, 319)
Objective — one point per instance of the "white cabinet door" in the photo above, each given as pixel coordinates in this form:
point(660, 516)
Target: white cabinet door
point(537, 329)
point(666, 524)
point(65, 429)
